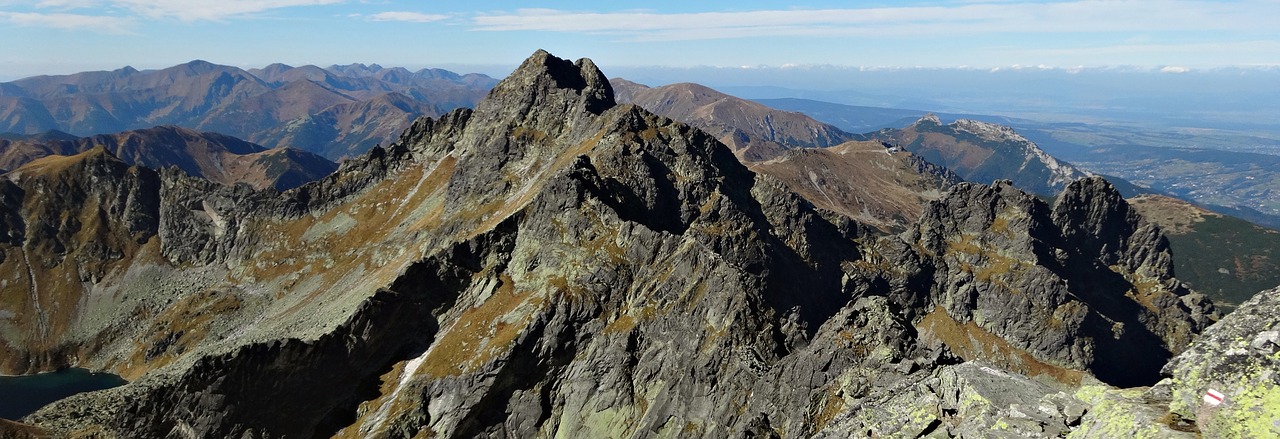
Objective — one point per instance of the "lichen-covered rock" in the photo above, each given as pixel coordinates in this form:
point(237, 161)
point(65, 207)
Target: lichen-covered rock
point(969, 400)
point(1238, 357)
point(1126, 413)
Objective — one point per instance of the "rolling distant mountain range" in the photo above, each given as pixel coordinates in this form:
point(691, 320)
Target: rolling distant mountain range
point(215, 157)
point(863, 119)
point(337, 112)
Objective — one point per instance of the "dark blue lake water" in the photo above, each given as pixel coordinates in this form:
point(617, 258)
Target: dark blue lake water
point(22, 395)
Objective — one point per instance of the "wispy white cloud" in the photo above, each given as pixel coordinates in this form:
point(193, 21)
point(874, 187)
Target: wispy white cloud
point(210, 10)
point(1080, 16)
point(92, 23)
point(1174, 69)
point(415, 17)
point(66, 4)
point(185, 10)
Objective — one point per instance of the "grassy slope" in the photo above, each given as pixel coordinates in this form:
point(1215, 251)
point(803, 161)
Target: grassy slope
point(1228, 258)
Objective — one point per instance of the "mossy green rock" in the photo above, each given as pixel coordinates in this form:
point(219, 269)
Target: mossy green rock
point(1240, 357)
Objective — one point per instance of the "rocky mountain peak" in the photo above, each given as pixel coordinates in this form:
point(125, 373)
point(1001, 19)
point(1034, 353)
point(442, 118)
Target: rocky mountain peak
point(1093, 215)
point(546, 78)
point(552, 264)
point(988, 131)
point(929, 119)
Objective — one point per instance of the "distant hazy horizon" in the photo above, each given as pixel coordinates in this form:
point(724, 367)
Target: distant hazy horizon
point(65, 36)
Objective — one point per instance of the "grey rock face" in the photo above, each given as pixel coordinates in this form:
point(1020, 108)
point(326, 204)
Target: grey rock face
point(969, 400)
point(1238, 357)
point(1084, 285)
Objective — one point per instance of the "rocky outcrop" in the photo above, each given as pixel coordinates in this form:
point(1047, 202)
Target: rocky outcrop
point(1085, 285)
point(968, 400)
point(69, 221)
point(1237, 357)
point(620, 225)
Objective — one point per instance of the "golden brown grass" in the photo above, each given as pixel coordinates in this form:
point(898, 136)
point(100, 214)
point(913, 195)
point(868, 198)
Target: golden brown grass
point(970, 341)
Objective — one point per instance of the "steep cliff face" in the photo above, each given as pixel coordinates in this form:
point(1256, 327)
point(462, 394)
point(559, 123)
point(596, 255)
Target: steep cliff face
point(1082, 285)
point(553, 264)
point(70, 221)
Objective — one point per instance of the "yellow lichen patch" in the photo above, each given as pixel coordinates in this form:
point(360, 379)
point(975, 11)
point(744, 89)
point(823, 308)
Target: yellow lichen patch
point(482, 332)
point(964, 243)
point(991, 265)
point(624, 323)
point(528, 135)
point(1000, 224)
point(1145, 289)
point(831, 406)
point(621, 325)
point(970, 341)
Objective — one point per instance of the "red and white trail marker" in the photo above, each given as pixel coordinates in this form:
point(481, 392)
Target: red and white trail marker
point(1213, 397)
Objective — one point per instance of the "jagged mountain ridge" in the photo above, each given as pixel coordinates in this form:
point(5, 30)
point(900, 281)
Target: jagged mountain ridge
point(753, 131)
point(552, 263)
point(268, 106)
point(864, 180)
point(216, 157)
point(983, 152)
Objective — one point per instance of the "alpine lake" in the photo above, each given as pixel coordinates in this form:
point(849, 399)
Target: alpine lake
point(23, 395)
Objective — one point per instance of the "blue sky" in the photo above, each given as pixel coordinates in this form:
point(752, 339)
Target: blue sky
point(64, 36)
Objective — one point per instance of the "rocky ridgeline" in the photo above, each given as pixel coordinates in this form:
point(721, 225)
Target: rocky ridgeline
point(1082, 285)
point(554, 264)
